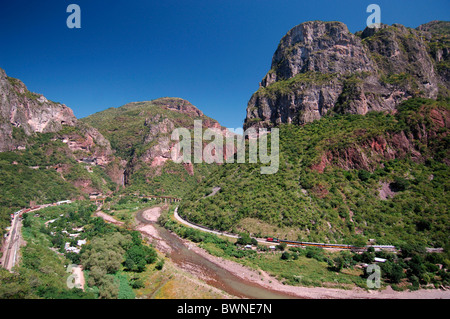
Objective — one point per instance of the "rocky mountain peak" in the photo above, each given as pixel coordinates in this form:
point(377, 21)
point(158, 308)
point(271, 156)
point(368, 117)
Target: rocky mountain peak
point(317, 46)
point(320, 67)
point(177, 104)
point(29, 111)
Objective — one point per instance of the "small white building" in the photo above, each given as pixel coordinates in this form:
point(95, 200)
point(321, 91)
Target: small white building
point(68, 248)
point(50, 221)
point(81, 242)
point(379, 260)
point(64, 202)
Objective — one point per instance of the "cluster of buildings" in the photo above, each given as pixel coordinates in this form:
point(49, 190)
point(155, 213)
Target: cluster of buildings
point(76, 249)
point(67, 245)
point(80, 242)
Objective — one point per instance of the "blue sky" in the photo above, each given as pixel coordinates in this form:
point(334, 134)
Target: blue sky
point(212, 53)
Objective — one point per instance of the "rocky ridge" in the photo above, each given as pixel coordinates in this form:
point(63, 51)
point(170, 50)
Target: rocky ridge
point(321, 67)
point(23, 114)
point(136, 137)
point(30, 111)
point(140, 133)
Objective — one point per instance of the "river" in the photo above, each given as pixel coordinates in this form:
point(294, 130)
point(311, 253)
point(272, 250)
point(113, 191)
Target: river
point(216, 276)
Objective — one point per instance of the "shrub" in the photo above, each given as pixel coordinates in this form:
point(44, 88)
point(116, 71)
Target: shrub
point(285, 255)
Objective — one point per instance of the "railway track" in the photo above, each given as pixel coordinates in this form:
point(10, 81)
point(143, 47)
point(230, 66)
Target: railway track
point(275, 240)
point(13, 245)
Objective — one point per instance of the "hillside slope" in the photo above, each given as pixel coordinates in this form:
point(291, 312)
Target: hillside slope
point(342, 179)
point(140, 133)
point(46, 155)
point(364, 141)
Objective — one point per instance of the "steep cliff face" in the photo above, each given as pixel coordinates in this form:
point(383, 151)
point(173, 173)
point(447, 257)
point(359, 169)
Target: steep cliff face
point(72, 148)
point(424, 139)
point(30, 111)
point(320, 67)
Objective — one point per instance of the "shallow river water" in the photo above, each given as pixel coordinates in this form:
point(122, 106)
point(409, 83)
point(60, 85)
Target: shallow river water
point(216, 276)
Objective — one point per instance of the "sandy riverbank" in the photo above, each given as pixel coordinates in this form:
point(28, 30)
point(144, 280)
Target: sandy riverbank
point(152, 214)
point(264, 279)
point(271, 283)
point(108, 218)
point(316, 292)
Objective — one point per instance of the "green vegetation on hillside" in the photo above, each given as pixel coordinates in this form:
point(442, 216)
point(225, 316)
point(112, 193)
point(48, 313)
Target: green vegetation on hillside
point(411, 268)
point(171, 179)
point(128, 126)
point(299, 80)
point(135, 129)
point(345, 203)
point(31, 175)
point(110, 257)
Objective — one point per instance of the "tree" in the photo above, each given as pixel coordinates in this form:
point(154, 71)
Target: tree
point(14, 286)
point(73, 257)
point(137, 257)
point(106, 252)
point(367, 257)
point(399, 184)
point(109, 287)
point(285, 255)
point(244, 239)
point(160, 264)
point(95, 276)
point(410, 250)
point(392, 271)
point(336, 264)
point(364, 175)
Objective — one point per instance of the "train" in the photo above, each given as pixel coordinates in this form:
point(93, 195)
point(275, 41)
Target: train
point(26, 210)
point(303, 243)
point(323, 245)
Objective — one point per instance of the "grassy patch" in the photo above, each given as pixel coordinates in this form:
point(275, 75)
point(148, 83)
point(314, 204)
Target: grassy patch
point(302, 79)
